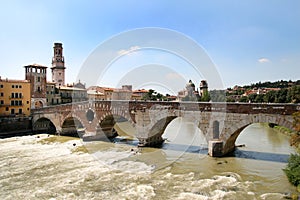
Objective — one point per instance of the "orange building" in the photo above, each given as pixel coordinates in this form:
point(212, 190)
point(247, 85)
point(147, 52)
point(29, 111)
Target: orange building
point(15, 97)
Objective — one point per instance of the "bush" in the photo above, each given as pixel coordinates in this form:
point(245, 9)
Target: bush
point(293, 169)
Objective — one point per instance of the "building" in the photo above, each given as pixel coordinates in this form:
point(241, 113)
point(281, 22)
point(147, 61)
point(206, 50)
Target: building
point(191, 93)
point(79, 85)
point(139, 94)
point(94, 95)
point(53, 96)
point(203, 88)
point(72, 94)
point(124, 93)
point(58, 65)
point(37, 76)
point(106, 93)
point(15, 97)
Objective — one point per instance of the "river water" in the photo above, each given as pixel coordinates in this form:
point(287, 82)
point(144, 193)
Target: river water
point(51, 167)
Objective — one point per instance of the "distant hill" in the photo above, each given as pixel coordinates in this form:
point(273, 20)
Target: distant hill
point(276, 84)
point(261, 92)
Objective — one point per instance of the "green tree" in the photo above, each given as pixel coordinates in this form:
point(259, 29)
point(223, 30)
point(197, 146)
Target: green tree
point(252, 97)
point(281, 96)
point(293, 169)
point(294, 94)
point(218, 95)
point(270, 97)
point(259, 98)
point(230, 99)
point(205, 97)
point(152, 95)
point(244, 99)
point(296, 121)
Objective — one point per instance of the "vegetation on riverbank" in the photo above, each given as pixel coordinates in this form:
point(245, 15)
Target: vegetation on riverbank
point(292, 170)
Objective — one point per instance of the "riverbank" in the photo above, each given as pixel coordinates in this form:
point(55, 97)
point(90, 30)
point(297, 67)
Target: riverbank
point(294, 136)
point(292, 168)
point(15, 126)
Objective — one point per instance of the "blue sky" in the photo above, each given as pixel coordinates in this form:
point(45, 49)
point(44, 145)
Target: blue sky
point(248, 41)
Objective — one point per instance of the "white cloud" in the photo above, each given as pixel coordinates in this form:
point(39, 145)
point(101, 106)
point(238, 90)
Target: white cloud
point(127, 51)
point(263, 60)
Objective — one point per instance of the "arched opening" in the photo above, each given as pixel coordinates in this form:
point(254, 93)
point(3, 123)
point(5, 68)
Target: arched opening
point(72, 127)
point(216, 130)
point(38, 104)
point(184, 135)
point(44, 125)
point(113, 126)
point(155, 133)
point(260, 141)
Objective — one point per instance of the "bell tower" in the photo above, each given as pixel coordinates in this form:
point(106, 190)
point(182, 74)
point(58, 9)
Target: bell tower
point(58, 65)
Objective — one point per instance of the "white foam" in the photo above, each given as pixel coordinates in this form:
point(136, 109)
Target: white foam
point(271, 196)
point(135, 191)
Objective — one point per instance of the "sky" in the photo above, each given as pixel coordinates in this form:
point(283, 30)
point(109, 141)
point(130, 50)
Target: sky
point(247, 41)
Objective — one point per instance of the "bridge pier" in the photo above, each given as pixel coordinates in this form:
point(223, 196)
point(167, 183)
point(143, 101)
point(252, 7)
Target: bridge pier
point(215, 148)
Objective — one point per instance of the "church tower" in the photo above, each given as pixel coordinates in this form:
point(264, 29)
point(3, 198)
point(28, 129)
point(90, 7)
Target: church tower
point(203, 88)
point(58, 65)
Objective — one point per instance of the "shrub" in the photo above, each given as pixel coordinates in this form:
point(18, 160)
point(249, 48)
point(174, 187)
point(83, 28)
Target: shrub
point(293, 169)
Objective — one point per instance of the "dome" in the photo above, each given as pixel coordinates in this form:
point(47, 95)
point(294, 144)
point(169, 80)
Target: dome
point(190, 84)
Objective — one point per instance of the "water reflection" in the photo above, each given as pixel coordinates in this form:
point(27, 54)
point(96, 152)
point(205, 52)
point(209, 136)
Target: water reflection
point(260, 142)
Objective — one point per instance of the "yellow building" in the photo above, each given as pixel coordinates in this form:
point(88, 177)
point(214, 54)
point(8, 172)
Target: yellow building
point(14, 97)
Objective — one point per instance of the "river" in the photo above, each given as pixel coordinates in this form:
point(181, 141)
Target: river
point(51, 167)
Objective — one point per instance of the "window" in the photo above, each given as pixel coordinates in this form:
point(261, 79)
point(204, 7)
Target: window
point(38, 79)
point(20, 110)
point(16, 103)
point(16, 95)
point(6, 109)
point(12, 95)
point(39, 89)
point(27, 102)
point(12, 111)
point(20, 95)
point(20, 103)
point(13, 86)
point(1, 86)
point(1, 102)
point(12, 103)
point(17, 86)
point(20, 86)
point(2, 94)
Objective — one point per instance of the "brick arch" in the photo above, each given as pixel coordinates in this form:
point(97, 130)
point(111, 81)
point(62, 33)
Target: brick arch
point(72, 115)
point(107, 127)
point(122, 114)
point(47, 119)
point(229, 143)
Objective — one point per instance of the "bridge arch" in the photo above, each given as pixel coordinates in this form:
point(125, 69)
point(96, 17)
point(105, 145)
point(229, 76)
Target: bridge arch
point(236, 130)
point(44, 125)
point(72, 126)
point(107, 125)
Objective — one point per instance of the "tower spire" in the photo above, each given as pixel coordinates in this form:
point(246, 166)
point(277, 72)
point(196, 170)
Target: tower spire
point(58, 65)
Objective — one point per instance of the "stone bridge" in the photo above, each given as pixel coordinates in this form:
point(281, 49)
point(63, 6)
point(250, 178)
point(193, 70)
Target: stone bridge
point(221, 123)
